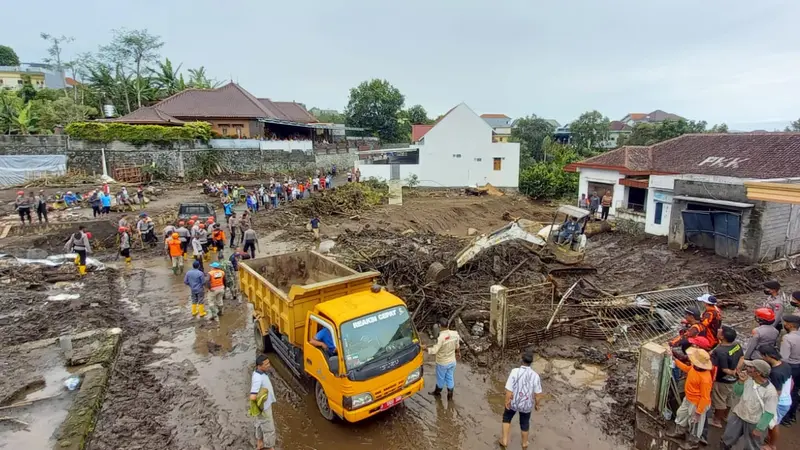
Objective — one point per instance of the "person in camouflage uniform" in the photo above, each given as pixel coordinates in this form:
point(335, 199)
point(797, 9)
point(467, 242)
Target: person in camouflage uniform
point(231, 279)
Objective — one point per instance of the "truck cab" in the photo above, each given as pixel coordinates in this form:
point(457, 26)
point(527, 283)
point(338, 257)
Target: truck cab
point(203, 211)
point(377, 360)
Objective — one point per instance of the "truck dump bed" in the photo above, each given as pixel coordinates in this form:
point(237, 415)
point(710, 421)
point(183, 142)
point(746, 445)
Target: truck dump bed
point(284, 288)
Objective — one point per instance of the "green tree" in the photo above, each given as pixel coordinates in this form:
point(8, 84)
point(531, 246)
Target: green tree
point(329, 117)
point(199, 80)
point(168, 79)
point(589, 131)
point(417, 115)
point(10, 103)
point(653, 133)
point(8, 57)
point(719, 128)
point(24, 121)
point(132, 50)
point(376, 105)
point(794, 126)
point(547, 179)
point(60, 112)
point(530, 132)
point(27, 92)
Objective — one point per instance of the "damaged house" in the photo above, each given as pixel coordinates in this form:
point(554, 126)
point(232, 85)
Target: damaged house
point(734, 193)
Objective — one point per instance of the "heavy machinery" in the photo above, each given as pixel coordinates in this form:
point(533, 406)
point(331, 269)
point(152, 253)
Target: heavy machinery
point(544, 239)
point(378, 359)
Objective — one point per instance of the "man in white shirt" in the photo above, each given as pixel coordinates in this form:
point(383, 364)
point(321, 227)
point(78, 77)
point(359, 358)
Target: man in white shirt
point(523, 394)
point(447, 352)
point(262, 396)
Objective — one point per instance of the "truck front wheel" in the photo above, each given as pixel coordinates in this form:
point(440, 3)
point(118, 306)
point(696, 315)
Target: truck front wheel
point(263, 344)
point(322, 403)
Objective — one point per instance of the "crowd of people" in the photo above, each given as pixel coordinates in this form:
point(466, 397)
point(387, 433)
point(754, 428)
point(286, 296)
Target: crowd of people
point(749, 389)
point(596, 204)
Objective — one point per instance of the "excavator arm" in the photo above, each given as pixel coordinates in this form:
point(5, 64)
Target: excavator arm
point(520, 229)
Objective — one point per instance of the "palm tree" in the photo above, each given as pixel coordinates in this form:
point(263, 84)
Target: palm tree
point(199, 80)
point(168, 80)
point(24, 122)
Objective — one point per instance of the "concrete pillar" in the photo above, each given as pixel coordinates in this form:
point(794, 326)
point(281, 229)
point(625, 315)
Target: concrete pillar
point(498, 314)
point(651, 382)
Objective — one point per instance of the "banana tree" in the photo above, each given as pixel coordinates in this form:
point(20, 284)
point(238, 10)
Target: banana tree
point(24, 122)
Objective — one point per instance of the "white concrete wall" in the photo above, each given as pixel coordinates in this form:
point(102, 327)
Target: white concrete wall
point(459, 151)
point(286, 146)
point(601, 176)
point(384, 171)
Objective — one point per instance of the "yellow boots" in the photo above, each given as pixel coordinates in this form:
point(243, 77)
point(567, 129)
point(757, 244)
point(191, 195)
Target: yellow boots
point(81, 270)
point(194, 309)
point(201, 310)
point(128, 261)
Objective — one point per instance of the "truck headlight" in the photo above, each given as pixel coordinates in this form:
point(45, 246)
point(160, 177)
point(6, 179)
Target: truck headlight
point(357, 401)
point(415, 375)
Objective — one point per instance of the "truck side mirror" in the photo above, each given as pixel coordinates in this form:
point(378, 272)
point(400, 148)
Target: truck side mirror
point(333, 364)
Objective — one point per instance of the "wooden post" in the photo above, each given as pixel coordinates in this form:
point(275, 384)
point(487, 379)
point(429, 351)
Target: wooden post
point(498, 314)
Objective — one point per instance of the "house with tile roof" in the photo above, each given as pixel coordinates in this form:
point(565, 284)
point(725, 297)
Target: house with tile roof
point(232, 111)
point(617, 129)
point(501, 124)
point(458, 150)
point(631, 119)
point(697, 189)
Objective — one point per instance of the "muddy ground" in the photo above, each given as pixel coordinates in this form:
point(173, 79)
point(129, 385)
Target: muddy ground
point(182, 383)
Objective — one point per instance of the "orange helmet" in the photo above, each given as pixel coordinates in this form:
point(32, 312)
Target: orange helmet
point(194, 217)
point(89, 234)
point(20, 192)
point(122, 229)
point(191, 222)
point(180, 223)
point(175, 235)
point(210, 220)
point(765, 315)
point(202, 225)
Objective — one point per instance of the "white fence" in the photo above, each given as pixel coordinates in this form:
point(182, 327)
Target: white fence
point(241, 144)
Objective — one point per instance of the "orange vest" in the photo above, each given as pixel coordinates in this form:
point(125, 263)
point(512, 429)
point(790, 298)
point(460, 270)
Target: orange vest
point(175, 247)
point(218, 235)
point(216, 278)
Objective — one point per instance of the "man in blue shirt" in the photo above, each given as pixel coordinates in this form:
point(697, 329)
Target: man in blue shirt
point(196, 280)
point(569, 231)
point(324, 340)
point(315, 226)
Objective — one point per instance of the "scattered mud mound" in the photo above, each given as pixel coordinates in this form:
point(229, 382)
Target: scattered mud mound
point(621, 385)
point(29, 315)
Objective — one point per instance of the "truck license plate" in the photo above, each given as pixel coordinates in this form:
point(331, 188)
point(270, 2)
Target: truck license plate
point(388, 404)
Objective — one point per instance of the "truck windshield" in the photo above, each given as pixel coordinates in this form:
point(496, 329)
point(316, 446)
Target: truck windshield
point(376, 335)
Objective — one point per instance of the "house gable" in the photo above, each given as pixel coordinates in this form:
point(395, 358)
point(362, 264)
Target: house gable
point(461, 124)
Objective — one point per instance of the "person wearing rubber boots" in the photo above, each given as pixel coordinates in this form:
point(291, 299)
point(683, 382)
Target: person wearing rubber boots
point(218, 240)
point(202, 238)
point(173, 247)
point(216, 290)
point(447, 352)
point(125, 245)
point(79, 243)
point(196, 280)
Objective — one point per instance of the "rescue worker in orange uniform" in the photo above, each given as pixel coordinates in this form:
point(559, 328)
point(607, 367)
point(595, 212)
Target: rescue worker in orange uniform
point(218, 240)
point(175, 251)
point(216, 290)
point(711, 318)
point(695, 330)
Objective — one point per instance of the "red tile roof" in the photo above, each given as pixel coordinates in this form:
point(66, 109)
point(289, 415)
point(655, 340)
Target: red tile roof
point(637, 116)
point(418, 131)
point(229, 101)
point(742, 155)
point(494, 116)
point(617, 125)
point(71, 81)
point(148, 115)
point(294, 112)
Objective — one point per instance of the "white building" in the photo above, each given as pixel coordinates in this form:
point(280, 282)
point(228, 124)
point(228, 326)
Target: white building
point(696, 189)
point(457, 151)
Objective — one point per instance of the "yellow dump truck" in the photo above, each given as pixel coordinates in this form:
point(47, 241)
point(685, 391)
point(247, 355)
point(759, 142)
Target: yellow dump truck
point(376, 362)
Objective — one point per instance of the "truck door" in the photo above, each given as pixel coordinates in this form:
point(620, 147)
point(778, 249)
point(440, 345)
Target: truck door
point(325, 368)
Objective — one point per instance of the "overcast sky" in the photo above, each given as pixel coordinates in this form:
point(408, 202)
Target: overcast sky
point(733, 61)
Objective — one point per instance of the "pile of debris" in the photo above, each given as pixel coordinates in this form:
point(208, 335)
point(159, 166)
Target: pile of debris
point(403, 260)
point(350, 199)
